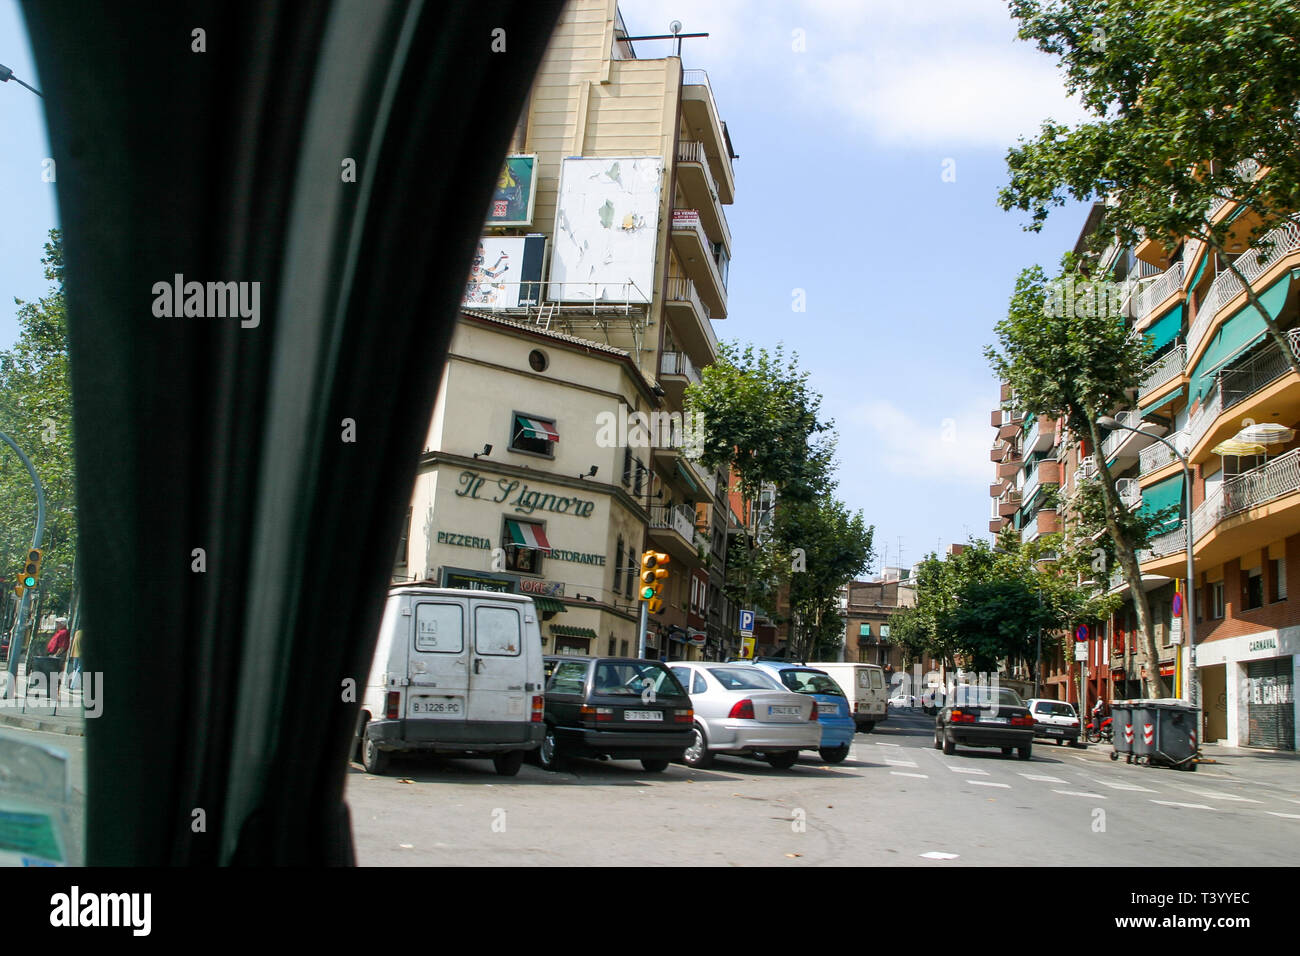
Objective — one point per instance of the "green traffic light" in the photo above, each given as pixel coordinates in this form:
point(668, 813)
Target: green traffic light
point(647, 593)
point(29, 582)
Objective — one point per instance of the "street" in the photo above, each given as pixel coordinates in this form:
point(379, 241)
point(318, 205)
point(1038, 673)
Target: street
point(895, 801)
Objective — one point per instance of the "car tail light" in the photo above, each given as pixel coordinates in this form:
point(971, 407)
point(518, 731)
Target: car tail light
point(742, 710)
point(538, 706)
point(683, 715)
point(959, 716)
point(590, 713)
point(813, 715)
point(393, 705)
point(1022, 720)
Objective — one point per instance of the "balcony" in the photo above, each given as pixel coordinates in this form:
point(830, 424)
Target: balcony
point(1009, 503)
point(1151, 296)
point(1122, 444)
point(701, 190)
point(690, 320)
point(1159, 455)
point(1130, 492)
point(1163, 370)
point(1009, 466)
point(1086, 471)
point(673, 528)
point(996, 489)
point(1042, 435)
point(675, 373)
point(696, 255)
point(1284, 240)
point(1247, 170)
point(999, 450)
point(1238, 383)
point(700, 111)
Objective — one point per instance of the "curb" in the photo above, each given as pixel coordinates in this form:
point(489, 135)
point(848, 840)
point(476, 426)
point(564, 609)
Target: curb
point(69, 726)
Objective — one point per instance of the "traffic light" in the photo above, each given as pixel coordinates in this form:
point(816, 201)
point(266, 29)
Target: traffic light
point(654, 569)
point(31, 570)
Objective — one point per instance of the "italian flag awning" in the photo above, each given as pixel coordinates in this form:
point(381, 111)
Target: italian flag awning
point(527, 536)
point(536, 428)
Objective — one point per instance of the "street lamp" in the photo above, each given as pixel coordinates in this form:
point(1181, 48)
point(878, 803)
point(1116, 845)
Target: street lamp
point(1189, 618)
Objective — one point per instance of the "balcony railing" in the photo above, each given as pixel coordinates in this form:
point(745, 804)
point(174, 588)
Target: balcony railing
point(1164, 369)
point(1110, 445)
point(1246, 171)
point(1253, 264)
point(1130, 492)
point(1234, 385)
point(1157, 455)
point(1147, 298)
point(679, 518)
point(677, 363)
point(701, 78)
point(690, 151)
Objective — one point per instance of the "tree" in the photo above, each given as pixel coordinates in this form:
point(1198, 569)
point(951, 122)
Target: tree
point(1192, 98)
point(36, 412)
point(1078, 364)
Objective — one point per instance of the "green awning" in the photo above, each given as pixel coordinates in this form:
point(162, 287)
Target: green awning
point(547, 604)
point(1165, 330)
point(1148, 409)
point(1162, 495)
point(1239, 333)
point(567, 630)
point(1200, 270)
point(686, 476)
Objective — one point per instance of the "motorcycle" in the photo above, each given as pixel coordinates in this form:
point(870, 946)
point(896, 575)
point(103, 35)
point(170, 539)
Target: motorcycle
point(1098, 734)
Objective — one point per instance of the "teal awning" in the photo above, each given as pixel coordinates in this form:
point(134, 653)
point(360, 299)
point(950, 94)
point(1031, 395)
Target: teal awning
point(1200, 270)
point(686, 476)
point(1239, 333)
point(1148, 409)
point(1165, 330)
point(1162, 495)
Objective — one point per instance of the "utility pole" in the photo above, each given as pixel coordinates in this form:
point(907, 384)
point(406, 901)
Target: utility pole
point(16, 645)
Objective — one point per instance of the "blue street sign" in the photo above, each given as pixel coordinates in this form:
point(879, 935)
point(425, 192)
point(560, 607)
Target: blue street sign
point(1082, 633)
point(746, 623)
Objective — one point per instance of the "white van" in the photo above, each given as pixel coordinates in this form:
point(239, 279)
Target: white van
point(864, 686)
point(455, 672)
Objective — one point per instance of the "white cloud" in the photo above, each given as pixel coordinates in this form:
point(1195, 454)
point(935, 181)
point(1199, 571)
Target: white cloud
point(951, 451)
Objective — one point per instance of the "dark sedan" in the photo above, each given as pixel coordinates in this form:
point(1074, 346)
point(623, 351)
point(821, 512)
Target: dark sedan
point(982, 716)
point(615, 708)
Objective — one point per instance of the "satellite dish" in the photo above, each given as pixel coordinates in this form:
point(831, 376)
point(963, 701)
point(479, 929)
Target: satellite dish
point(675, 27)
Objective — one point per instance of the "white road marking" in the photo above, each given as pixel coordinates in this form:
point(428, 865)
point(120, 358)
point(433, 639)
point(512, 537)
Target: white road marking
point(899, 763)
point(1077, 793)
point(1189, 806)
point(1042, 778)
point(1289, 816)
point(936, 855)
point(982, 773)
point(881, 743)
point(988, 783)
point(903, 773)
point(1123, 786)
point(1218, 796)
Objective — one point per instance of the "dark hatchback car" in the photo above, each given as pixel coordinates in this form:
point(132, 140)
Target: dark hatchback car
point(614, 708)
point(982, 716)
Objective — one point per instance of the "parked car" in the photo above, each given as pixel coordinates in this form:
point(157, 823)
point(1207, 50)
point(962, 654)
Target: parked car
point(864, 686)
point(1054, 720)
point(745, 712)
point(901, 699)
point(832, 705)
point(455, 672)
point(981, 716)
point(614, 708)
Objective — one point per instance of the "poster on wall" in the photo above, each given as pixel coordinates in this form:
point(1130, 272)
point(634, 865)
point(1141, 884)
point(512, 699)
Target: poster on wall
point(506, 272)
point(606, 223)
point(515, 193)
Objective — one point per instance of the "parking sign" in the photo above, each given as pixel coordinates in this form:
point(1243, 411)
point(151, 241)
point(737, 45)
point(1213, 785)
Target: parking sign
point(746, 623)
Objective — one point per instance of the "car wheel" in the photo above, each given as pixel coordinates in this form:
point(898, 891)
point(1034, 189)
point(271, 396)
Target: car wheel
point(949, 745)
point(1006, 751)
point(784, 760)
point(373, 759)
point(834, 754)
point(654, 766)
point(1114, 755)
point(697, 755)
point(938, 741)
point(868, 726)
point(1026, 751)
point(508, 763)
point(548, 754)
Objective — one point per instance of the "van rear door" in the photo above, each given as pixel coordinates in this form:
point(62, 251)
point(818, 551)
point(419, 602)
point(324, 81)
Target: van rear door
point(498, 663)
point(438, 659)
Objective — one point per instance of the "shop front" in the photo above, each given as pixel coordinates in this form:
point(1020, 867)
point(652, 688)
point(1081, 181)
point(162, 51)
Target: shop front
point(1252, 677)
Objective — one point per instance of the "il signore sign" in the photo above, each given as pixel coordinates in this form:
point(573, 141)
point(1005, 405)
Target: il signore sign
point(526, 501)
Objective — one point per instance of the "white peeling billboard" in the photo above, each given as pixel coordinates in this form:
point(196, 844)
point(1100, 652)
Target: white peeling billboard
point(606, 223)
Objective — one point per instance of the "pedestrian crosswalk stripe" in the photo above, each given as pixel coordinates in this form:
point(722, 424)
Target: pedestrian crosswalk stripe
point(982, 773)
point(1041, 778)
point(1123, 786)
point(1077, 793)
point(903, 773)
point(1218, 796)
point(1289, 816)
point(1189, 806)
point(989, 783)
point(900, 763)
point(881, 743)
point(936, 855)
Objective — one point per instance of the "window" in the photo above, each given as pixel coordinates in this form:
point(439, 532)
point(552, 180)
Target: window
point(525, 545)
point(742, 678)
point(699, 687)
point(864, 630)
point(613, 647)
point(683, 674)
point(537, 360)
point(1252, 589)
point(497, 631)
point(403, 543)
point(631, 574)
point(1216, 600)
point(618, 568)
point(623, 651)
point(533, 435)
point(628, 466)
point(1279, 579)
point(633, 678)
point(439, 628)
point(810, 682)
point(570, 677)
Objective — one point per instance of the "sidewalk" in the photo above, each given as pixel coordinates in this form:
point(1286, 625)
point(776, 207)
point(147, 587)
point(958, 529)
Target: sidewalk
point(60, 714)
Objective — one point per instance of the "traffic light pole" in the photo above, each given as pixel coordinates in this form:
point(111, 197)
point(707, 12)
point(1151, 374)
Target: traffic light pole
point(645, 622)
point(18, 642)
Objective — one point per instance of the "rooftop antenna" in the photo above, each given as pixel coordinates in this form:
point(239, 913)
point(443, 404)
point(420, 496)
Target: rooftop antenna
point(676, 34)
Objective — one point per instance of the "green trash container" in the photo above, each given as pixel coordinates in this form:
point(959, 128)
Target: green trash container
point(1175, 742)
point(1144, 729)
point(1121, 727)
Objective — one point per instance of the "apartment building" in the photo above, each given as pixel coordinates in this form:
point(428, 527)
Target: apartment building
point(588, 311)
point(1222, 392)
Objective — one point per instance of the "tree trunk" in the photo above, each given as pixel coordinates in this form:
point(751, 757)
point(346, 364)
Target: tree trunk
point(1128, 562)
point(1274, 332)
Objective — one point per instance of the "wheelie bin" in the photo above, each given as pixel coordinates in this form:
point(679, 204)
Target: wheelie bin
point(1121, 726)
point(1175, 742)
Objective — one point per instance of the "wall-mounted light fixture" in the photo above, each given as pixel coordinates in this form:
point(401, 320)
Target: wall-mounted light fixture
point(487, 450)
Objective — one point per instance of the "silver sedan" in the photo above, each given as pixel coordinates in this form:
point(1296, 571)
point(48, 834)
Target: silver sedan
point(740, 710)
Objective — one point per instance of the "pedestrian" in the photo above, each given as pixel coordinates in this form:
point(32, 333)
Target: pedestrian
point(58, 644)
point(74, 662)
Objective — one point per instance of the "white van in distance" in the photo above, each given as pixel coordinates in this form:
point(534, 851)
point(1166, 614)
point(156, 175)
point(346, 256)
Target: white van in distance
point(864, 686)
point(455, 672)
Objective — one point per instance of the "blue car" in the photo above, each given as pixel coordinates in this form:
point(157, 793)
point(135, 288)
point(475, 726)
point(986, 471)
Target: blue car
point(833, 711)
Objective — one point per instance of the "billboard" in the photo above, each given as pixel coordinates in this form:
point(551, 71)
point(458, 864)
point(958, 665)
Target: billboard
point(515, 193)
point(606, 223)
point(506, 272)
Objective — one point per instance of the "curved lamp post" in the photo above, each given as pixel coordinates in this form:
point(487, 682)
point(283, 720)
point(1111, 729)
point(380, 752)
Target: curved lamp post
point(1190, 682)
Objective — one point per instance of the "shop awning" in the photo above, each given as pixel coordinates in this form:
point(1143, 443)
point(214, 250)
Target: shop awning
point(536, 428)
point(567, 630)
point(525, 535)
point(1238, 334)
point(1165, 330)
point(547, 605)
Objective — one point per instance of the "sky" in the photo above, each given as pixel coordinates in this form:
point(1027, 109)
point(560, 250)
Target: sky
point(871, 137)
